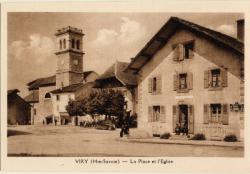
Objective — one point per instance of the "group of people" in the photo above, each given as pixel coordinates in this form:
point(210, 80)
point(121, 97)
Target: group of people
point(181, 129)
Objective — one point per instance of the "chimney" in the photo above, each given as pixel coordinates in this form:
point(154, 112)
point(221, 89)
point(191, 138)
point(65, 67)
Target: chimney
point(240, 29)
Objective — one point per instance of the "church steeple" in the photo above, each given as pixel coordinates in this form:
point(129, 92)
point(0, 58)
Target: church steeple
point(69, 56)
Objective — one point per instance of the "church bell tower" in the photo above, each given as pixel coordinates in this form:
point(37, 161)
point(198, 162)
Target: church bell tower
point(69, 57)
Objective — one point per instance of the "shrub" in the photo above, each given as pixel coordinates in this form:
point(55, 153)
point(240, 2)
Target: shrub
point(230, 138)
point(165, 136)
point(198, 137)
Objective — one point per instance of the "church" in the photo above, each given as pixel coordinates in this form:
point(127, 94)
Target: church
point(50, 95)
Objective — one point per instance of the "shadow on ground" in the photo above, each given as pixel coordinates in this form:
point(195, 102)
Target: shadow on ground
point(16, 132)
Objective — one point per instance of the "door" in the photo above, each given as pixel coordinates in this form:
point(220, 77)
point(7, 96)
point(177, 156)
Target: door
point(183, 118)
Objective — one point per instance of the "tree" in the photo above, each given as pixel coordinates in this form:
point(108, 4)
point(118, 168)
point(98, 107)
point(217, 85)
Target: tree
point(106, 102)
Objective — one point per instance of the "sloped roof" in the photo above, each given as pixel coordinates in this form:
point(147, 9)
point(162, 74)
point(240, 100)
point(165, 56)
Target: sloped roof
point(12, 91)
point(87, 73)
point(72, 88)
point(33, 97)
point(173, 24)
point(117, 71)
point(49, 81)
point(46, 81)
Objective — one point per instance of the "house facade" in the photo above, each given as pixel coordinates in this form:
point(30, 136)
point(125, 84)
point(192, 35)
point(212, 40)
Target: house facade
point(191, 76)
point(49, 96)
point(18, 109)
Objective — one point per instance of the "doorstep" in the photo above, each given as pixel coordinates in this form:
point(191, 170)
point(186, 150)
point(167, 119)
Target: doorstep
point(184, 142)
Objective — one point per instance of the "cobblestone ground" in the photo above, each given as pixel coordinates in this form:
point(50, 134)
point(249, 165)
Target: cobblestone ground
point(77, 141)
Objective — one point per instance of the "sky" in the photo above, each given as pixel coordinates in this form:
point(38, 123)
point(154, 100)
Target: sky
point(108, 37)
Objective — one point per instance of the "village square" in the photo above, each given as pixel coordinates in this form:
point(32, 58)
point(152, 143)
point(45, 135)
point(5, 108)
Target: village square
point(181, 94)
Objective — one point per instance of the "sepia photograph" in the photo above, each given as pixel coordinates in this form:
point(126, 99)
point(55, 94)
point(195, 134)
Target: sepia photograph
point(125, 84)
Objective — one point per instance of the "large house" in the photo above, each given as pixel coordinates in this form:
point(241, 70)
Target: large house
point(189, 75)
point(18, 109)
point(50, 95)
point(115, 78)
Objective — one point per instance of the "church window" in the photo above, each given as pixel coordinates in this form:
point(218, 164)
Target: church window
point(73, 43)
point(60, 44)
point(78, 44)
point(64, 43)
point(47, 95)
point(57, 97)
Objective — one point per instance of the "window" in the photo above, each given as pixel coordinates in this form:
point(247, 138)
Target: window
point(183, 51)
point(64, 43)
point(34, 111)
point(188, 48)
point(215, 78)
point(57, 97)
point(215, 115)
point(78, 44)
point(183, 81)
point(154, 84)
point(60, 44)
point(156, 113)
point(73, 43)
point(47, 95)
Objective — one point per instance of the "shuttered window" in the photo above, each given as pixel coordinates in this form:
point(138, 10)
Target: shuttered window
point(216, 113)
point(156, 113)
point(150, 113)
point(183, 51)
point(175, 116)
point(206, 114)
point(191, 119)
point(155, 85)
point(215, 78)
point(183, 82)
point(150, 85)
point(225, 116)
point(163, 114)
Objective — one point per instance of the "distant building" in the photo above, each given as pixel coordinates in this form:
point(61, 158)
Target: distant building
point(50, 95)
point(115, 78)
point(191, 76)
point(18, 109)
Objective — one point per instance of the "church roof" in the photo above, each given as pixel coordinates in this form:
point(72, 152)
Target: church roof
point(71, 88)
point(46, 81)
point(167, 30)
point(117, 71)
point(49, 81)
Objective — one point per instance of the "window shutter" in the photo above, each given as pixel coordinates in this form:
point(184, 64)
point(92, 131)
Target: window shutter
point(150, 113)
point(150, 85)
point(191, 119)
point(225, 118)
point(180, 52)
point(224, 78)
point(175, 116)
point(176, 82)
point(175, 54)
point(163, 114)
point(206, 78)
point(191, 53)
point(159, 84)
point(206, 114)
point(190, 81)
